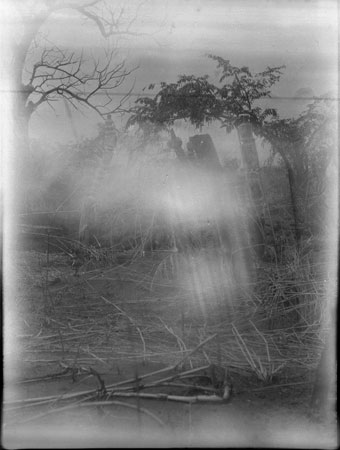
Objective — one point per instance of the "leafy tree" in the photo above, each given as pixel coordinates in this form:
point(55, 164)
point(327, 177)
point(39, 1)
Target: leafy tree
point(199, 101)
point(191, 98)
point(240, 91)
point(306, 145)
point(233, 102)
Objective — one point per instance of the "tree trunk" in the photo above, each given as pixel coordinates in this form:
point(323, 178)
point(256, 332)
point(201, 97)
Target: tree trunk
point(293, 196)
point(22, 109)
point(20, 150)
point(250, 161)
point(293, 189)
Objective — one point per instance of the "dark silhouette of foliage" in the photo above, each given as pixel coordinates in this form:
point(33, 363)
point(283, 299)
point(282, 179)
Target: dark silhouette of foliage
point(306, 145)
point(191, 98)
point(239, 91)
point(199, 101)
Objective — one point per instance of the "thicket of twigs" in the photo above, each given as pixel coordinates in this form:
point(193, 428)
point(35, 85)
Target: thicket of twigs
point(269, 325)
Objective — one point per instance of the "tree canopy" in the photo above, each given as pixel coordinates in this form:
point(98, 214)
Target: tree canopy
point(305, 143)
point(196, 99)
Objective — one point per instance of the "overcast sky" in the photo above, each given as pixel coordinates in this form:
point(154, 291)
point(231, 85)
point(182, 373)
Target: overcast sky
point(175, 36)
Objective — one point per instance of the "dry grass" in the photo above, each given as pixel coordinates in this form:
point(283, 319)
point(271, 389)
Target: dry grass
point(112, 312)
point(138, 310)
point(162, 285)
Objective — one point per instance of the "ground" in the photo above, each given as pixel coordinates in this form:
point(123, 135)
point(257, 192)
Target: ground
point(70, 330)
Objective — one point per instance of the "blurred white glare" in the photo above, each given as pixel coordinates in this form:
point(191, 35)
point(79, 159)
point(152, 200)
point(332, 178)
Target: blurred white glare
point(207, 280)
point(192, 196)
point(183, 201)
point(194, 201)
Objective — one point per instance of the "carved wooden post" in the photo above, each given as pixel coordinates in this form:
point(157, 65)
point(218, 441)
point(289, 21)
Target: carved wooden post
point(250, 162)
point(176, 143)
point(202, 149)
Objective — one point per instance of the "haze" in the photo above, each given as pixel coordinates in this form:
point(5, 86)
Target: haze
point(173, 38)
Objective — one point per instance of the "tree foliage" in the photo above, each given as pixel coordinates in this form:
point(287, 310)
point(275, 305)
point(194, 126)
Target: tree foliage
point(199, 101)
point(191, 98)
point(306, 145)
point(241, 89)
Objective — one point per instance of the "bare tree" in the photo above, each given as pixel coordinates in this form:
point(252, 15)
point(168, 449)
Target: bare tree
point(43, 73)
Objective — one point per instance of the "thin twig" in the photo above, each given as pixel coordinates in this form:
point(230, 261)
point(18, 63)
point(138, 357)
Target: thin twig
point(195, 350)
point(130, 320)
point(177, 398)
point(177, 376)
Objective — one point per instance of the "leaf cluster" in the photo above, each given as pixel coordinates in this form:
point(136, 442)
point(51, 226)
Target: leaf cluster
point(306, 143)
point(241, 89)
point(191, 98)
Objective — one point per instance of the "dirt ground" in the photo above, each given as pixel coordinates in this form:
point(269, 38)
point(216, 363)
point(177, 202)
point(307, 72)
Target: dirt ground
point(122, 320)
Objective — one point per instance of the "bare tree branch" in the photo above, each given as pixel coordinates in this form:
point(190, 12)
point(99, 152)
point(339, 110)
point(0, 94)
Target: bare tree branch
point(57, 73)
point(110, 27)
point(63, 75)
